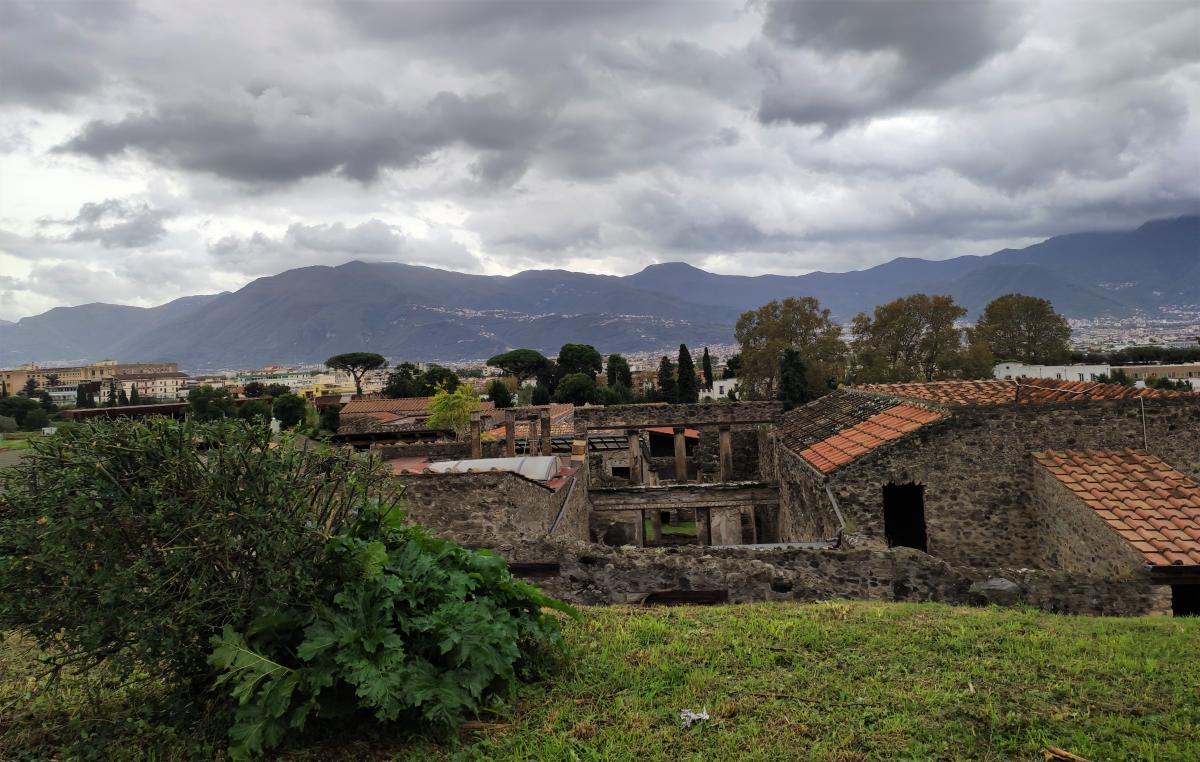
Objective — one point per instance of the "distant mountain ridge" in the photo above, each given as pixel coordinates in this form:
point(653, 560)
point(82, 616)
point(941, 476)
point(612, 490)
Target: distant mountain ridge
point(412, 312)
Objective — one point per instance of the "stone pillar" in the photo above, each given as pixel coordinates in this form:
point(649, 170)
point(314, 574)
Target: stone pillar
point(724, 526)
point(704, 526)
point(476, 432)
point(547, 447)
point(655, 524)
point(635, 456)
point(531, 439)
point(681, 474)
point(510, 434)
point(725, 459)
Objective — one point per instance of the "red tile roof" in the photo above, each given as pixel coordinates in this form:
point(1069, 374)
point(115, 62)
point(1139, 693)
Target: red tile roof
point(862, 438)
point(844, 426)
point(1152, 505)
point(1004, 391)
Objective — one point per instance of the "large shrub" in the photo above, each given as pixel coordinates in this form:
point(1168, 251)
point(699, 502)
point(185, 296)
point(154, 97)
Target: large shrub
point(136, 541)
point(207, 554)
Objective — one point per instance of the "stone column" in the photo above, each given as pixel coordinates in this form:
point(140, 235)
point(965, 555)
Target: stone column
point(510, 434)
point(547, 447)
point(476, 432)
point(681, 474)
point(725, 460)
point(531, 439)
point(635, 456)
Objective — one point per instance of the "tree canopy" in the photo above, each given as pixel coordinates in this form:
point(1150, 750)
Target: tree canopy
point(407, 380)
point(452, 410)
point(707, 369)
point(288, 409)
point(579, 358)
point(254, 389)
point(357, 364)
point(577, 389)
point(911, 338)
point(797, 323)
point(209, 403)
point(499, 393)
point(618, 371)
point(522, 363)
point(1024, 329)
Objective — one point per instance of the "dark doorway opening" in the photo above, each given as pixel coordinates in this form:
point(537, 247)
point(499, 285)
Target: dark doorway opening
point(904, 516)
point(1185, 600)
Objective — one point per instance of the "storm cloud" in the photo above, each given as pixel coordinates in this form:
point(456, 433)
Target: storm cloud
point(150, 149)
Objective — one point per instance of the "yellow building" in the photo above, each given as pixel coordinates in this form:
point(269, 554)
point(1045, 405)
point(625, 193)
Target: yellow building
point(14, 380)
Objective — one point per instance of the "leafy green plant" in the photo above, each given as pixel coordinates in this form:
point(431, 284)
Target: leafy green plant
point(419, 628)
point(133, 542)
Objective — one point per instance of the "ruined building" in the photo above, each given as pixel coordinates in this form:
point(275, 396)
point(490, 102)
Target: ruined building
point(1068, 496)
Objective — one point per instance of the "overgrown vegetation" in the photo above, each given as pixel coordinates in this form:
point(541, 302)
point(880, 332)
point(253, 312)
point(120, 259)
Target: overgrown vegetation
point(226, 567)
point(827, 681)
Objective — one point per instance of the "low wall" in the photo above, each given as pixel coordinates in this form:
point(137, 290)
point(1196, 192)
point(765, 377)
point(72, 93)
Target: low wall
point(591, 574)
point(698, 414)
point(481, 509)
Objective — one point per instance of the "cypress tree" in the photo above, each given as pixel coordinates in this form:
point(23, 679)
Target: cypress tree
point(80, 396)
point(688, 385)
point(122, 398)
point(706, 368)
point(668, 389)
point(793, 380)
point(133, 395)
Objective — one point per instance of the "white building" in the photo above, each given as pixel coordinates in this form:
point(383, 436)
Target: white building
point(720, 390)
point(1011, 370)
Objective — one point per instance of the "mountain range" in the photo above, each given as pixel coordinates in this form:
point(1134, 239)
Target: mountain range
point(410, 312)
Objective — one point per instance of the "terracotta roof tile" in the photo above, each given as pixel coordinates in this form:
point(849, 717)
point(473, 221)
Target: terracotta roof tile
point(1123, 489)
point(988, 392)
point(844, 426)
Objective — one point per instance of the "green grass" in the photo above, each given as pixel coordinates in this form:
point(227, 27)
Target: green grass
point(14, 444)
point(683, 528)
point(835, 681)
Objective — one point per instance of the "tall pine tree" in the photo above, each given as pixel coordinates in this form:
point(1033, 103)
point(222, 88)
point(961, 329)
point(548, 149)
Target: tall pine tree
point(133, 395)
point(706, 369)
point(689, 386)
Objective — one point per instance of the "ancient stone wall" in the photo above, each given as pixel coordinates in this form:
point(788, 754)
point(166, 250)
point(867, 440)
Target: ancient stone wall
point(444, 450)
point(805, 513)
point(978, 473)
point(744, 442)
point(482, 509)
point(592, 574)
point(1074, 538)
point(622, 416)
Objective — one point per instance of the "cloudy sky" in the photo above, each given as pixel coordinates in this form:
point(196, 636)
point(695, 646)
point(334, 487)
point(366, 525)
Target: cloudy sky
point(150, 150)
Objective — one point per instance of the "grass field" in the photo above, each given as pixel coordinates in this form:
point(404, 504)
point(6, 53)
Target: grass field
point(836, 681)
point(14, 444)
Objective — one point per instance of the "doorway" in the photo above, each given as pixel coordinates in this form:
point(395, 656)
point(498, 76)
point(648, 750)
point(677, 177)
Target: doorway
point(1185, 600)
point(904, 516)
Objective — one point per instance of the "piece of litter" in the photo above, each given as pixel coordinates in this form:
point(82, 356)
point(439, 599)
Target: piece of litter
point(689, 717)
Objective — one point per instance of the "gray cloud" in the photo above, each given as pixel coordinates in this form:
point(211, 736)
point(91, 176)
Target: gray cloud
point(486, 136)
point(883, 53)
point(117, 223)
point(273, 138)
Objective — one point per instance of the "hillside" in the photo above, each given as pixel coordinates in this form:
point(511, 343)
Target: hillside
point(827, 681)
point(405, 311)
